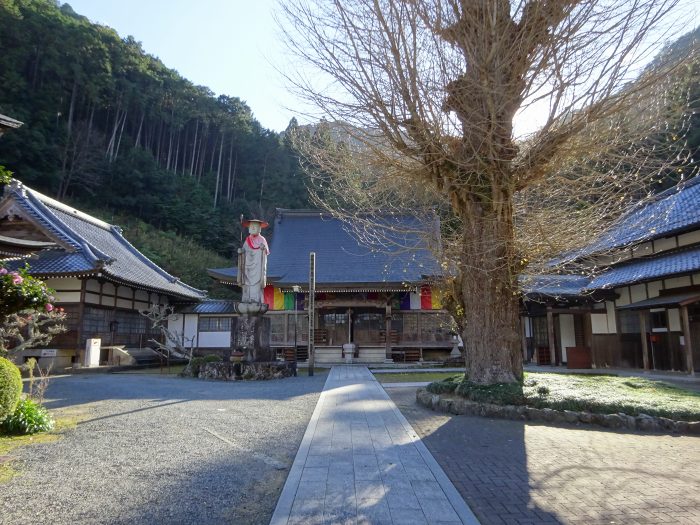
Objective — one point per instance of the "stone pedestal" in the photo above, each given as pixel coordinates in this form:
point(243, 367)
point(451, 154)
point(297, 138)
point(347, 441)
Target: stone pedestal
point(250, 334)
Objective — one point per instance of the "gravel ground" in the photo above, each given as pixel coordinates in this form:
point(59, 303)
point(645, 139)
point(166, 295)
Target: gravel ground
point(156, 449)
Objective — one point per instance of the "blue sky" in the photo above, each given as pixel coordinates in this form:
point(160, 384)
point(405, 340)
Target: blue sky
point(226, 45)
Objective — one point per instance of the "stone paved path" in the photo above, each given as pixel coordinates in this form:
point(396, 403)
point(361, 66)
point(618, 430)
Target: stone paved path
point(514, 472)
point(361, 462)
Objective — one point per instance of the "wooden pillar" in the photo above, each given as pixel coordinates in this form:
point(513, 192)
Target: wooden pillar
point(688, 346)
point(81, 316)
point(588, 337)
point(387, 329)
point(523, 336)
point(645, 345)
point(550, 336)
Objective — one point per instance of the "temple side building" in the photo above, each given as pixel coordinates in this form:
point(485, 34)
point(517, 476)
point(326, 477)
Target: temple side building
point(101, 280)
point(376, 290)
point(640, 306)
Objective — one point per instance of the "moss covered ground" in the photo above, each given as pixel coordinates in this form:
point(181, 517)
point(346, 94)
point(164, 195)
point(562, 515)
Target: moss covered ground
point(604, 394)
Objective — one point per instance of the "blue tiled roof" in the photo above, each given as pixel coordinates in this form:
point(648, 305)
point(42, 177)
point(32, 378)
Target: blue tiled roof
point(89, 245)
point(341, 258)
point(211, 307)
point(554, 285)
point(640, 270)
point(672, 211)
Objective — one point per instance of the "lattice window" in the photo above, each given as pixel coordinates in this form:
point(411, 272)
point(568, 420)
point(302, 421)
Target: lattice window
point(214, 324)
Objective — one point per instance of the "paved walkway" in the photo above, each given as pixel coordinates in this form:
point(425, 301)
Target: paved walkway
point(360, 462)
point(519, 473)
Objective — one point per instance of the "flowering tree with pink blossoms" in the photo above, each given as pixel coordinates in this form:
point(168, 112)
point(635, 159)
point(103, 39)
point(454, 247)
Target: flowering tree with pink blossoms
point(28, 317)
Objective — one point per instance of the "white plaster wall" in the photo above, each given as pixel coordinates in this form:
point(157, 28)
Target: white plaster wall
point(92, 285)
point(124, 303)
point(92, 298)
point(599, 323)
point(638, 292)
point(624, 296)
point(568, 334)
point(191, 321)
point(678, 282)
point(67, 297)
point(667, 243)
point(72, 283)
point(689, 238)
point(642, 250)
point(175, 325)
point(674, 320)
point(528, 326)
point(141, 295)
point(214, 339)
point(612, 320)
point(654, 288)
point(125, 291)
point(107, 301)
point(696, 278)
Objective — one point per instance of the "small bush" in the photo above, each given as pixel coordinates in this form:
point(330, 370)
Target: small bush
point(542, 390)
point(28, 418)
point(10, 388)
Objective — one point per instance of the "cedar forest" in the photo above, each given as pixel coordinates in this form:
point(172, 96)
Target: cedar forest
point(113, 131)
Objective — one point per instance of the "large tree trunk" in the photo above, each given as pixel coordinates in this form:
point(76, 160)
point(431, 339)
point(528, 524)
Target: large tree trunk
point(487, 290)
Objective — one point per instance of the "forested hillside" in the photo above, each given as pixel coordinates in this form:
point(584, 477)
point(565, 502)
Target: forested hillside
point(109, 127)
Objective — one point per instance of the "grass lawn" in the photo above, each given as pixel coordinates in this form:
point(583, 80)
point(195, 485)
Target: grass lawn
point(603, 394)
point(411, 377)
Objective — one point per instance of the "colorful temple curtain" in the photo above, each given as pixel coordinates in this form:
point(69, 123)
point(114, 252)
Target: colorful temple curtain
point(427, 298)
point(275, 299)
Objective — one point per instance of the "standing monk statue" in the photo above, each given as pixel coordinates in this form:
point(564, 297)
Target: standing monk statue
point(252, 262)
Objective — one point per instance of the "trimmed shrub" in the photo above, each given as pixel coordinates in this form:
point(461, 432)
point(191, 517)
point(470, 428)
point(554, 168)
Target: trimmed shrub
point(10, 388)
point(28, 418)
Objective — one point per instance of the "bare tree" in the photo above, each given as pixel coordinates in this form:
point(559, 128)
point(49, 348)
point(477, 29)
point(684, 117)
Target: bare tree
point(428, 90)
point(174, 343)
point(23, 330)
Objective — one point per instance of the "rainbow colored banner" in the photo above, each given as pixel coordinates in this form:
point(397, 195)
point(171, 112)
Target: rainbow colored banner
point(426, 299)
point(275, 299)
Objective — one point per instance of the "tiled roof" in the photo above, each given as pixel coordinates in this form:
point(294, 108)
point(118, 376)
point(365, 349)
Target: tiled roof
point(554, 285)
point(90, 245)
point(669, 212)
point(210, 307)
point(341, 258)
point(663, 265)
point(664, 301)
